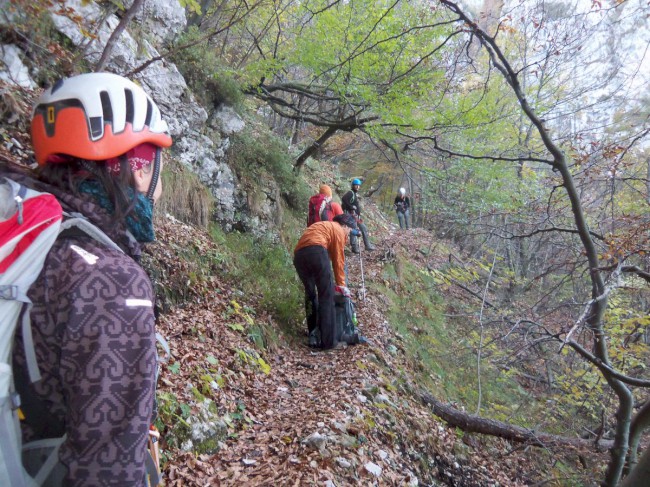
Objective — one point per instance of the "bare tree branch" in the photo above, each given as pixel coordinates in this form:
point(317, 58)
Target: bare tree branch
point(124, 21)
point(476, 424)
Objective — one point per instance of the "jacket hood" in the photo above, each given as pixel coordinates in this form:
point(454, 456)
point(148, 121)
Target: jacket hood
point(83, 204)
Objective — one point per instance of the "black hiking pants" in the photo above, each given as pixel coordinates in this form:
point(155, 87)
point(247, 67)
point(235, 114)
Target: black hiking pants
point(354, 240)
point(315, 271)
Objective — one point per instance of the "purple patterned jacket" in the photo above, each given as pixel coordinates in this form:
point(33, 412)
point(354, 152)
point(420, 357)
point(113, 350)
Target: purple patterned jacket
point(93, 328)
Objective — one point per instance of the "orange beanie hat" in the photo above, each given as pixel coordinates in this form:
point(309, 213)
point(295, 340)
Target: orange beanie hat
point(325, 189)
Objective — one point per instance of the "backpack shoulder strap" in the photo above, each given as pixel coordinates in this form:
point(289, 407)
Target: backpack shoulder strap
point(77, 220)
point(42, 456)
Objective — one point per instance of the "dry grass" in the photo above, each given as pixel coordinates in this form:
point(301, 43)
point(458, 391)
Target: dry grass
point(184, 196)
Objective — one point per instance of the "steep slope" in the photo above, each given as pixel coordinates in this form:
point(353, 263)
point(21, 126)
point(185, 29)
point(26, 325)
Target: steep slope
point(243, 401)
point(295, 416)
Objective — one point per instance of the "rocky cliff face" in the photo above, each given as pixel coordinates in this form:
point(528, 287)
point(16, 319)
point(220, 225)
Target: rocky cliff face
point(201, 139)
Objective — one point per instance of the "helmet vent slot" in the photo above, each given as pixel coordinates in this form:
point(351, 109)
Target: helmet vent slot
point(106, 107)
point(56, 86)
point(147, 120)
point(96, 127)
point(128, 95)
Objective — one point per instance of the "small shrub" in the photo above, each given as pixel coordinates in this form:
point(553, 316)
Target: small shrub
point(256, 154)
point(210, 80)
point(264, 267)
point(171, 420)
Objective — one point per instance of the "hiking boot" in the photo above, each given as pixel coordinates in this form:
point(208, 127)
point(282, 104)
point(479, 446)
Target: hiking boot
point(350, 339)
point(370, 247)
point(355, 250)
point(314, 339)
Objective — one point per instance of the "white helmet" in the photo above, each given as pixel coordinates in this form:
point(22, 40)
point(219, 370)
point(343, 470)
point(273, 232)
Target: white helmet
point(402, 191)
point(95, 116)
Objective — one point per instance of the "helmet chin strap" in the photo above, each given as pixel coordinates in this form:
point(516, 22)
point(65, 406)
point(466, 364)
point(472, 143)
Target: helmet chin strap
point(154, 176)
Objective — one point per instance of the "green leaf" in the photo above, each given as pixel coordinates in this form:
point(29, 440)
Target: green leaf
point(186, 411)
point(192, 5)
point(266, 368)
point(174, 368)
point(236, 326)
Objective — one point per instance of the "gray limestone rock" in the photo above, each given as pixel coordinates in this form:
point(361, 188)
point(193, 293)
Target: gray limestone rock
point(163, 19)
point(228, 121)
point(206, 430)
point(12, 69)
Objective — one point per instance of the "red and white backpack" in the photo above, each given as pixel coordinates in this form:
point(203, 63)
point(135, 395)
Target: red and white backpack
point(29, 225)
point(319, 209)
point(30, 222)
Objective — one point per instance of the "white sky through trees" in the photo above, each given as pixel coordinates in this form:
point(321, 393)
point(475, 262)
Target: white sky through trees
point(600, 52)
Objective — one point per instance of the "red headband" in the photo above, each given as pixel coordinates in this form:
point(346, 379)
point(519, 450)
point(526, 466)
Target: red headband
point(138, 157)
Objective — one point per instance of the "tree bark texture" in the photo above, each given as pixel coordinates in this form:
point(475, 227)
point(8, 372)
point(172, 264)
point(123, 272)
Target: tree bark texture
point(640, 476)
point(313, 148)
point(476, 424)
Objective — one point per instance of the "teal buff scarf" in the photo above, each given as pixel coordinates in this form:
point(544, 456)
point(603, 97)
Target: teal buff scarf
point(139, 222)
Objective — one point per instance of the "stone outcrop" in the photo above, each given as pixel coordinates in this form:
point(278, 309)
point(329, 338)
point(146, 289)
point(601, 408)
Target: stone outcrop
point(15, 72)
point(201, 140)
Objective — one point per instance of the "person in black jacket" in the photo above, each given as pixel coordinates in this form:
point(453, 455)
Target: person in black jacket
point(350, 203)
point(402, 205)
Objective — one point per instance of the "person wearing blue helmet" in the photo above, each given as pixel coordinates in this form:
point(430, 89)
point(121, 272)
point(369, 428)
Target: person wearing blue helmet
point(351, 205)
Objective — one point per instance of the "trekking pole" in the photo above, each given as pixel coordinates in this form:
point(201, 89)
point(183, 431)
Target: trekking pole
point(363, 281)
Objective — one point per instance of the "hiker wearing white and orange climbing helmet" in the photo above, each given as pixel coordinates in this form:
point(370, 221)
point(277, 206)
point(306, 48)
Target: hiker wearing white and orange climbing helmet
point(321, 243)
point(98, 140)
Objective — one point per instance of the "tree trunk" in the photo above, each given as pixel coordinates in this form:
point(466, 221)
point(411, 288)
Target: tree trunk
point(598, 305)
point(124, 21)
point(640, 422)
point(640, 475)
point(313, 148)
point(647, 184)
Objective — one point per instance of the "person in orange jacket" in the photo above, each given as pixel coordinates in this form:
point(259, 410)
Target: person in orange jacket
point(336, 209)
point(322, 243)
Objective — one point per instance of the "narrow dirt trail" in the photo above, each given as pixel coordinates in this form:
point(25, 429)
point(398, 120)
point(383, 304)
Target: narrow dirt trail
point(345, 416)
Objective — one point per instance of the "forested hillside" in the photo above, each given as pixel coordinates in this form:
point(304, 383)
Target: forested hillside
point(508, 328)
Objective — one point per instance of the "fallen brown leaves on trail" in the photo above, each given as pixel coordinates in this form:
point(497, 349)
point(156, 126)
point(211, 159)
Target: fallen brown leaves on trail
point(316, 416)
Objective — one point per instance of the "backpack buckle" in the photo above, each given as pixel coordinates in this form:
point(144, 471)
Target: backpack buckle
point(15, 401)
point(9, 292)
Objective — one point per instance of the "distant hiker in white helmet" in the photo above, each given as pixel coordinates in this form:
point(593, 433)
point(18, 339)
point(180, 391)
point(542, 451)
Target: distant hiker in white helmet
point(402, 206)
